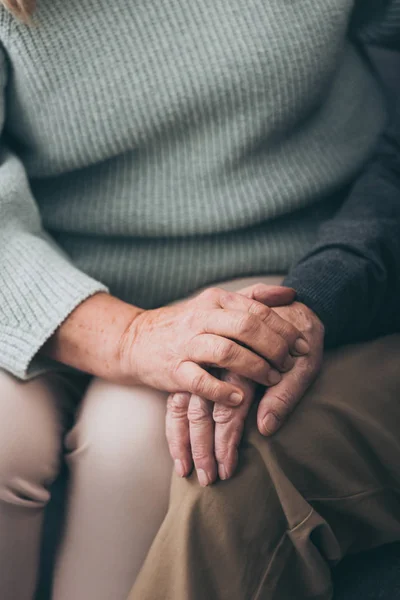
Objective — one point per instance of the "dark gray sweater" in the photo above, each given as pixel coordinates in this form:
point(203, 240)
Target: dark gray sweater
point(351, 276)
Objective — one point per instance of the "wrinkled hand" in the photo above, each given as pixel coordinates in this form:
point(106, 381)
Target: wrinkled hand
point(209, 435)
point(171, 348)
point(279, 401)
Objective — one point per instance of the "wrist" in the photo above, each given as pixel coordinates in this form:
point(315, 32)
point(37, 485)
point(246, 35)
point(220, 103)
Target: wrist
point(90, 338)
point(333, 285)
point(130, 350)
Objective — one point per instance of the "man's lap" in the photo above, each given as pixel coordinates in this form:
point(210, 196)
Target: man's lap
point(326, 484)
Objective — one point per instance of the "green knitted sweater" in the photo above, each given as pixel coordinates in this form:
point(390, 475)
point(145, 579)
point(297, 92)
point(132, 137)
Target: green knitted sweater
point(155, 146)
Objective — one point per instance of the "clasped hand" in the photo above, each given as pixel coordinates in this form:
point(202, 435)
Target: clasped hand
point(207, 435)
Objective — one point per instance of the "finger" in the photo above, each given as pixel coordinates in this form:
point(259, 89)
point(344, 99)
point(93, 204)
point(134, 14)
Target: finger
point(223, 353)
point(231, 301)
point(271, 295)
point(275, 296)
point(194, 379)
point(278, 402)
point(254, 332)
point(292, 336)
point(177, 432)
point(229, 424)
point(201, 427)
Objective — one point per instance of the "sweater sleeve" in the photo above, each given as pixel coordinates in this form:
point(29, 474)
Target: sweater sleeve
point(39, 286)
point(377, 23)
point(351, 277)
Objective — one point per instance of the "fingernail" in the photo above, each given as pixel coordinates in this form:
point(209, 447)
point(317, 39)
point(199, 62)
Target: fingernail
point(270, 424)
point(236, 399)
point(180, 468)
point(274, 377)
point(222, 472)
point(301, 346)
point(288, 364)
point(203, 478)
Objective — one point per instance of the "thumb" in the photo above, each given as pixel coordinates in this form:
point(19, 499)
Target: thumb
point(271, 295)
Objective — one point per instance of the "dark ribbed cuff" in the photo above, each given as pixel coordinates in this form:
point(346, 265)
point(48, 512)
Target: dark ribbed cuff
point(333, 283)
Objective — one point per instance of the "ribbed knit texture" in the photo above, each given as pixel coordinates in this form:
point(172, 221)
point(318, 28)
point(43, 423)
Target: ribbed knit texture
point(167, 144)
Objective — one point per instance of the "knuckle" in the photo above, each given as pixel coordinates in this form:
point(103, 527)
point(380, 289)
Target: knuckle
point(178, 403)
point(280, 351)
point(223, 414)
point(194, 321)
point(196, 415)
point(215, 392)
point(309, 325)
point(246, 324)
point(199, 382)
point(260, 310)
point(197, 412)
point(260, 367)
point(210, 294)
point(258, 289)
point(224, 352)
point(208, 387)
point(218, 351)
point(189, 319)
point(226, 297)
point(199, 454)
point(309, 321)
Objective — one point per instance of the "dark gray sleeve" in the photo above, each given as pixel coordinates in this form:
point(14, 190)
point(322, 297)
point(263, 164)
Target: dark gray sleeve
point(377, 23)
point(351, 277)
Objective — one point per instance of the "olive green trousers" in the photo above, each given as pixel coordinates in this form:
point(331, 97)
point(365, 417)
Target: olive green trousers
point(326, 485)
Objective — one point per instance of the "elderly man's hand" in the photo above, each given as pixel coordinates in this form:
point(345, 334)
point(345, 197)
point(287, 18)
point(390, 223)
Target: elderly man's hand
point(202, 433)
point(279, 401)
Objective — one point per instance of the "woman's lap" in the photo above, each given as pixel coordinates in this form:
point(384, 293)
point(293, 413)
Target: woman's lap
point(118, 487)
point(118, 490)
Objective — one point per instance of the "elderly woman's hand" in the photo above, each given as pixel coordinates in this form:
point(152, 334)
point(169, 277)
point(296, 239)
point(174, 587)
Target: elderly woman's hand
point(171, 348)
point(207, 435)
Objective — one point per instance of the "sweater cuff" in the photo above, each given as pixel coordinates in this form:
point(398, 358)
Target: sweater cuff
point(333, 283)
point(39, 288)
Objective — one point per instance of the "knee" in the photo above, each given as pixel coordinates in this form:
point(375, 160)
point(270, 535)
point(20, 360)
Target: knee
point(29, 445)
point(242, 505)
point(120, 432)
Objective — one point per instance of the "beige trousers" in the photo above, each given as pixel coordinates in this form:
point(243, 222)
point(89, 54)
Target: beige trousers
point(120, 478)
point(119, 486)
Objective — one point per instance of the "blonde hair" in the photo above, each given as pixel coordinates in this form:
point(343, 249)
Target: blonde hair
point(23, 9)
